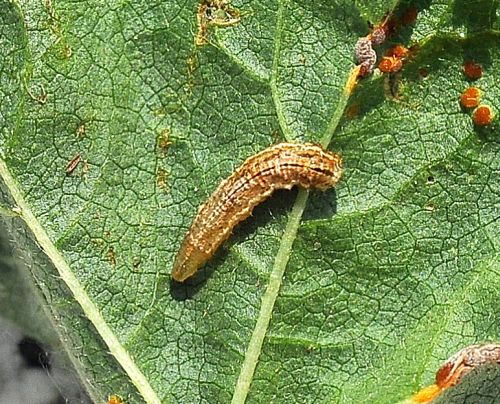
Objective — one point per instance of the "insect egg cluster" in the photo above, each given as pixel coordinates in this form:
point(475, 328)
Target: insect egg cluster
point(366, 56)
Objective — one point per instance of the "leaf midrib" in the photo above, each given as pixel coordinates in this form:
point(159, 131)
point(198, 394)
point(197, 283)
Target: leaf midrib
point(255, 344)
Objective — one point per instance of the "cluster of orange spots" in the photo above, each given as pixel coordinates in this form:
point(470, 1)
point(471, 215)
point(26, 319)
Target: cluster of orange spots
point(392, 61)
point(390, 64)
point(483, 115)
point(367, 57)
point(456, 367)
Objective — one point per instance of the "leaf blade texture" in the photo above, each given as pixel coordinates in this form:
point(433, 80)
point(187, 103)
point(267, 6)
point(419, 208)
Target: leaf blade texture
point(377, 281)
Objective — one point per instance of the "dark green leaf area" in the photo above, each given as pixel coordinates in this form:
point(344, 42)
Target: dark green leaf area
point(460, 18)
point(375, 11)
point(13, 59)
point(314, 60)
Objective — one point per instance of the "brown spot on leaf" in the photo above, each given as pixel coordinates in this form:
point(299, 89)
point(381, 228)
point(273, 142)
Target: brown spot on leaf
point(163, 142)
point(81, 130)
point(214, 12)
point(161, 178)
point(352, 111)
point(111, 256)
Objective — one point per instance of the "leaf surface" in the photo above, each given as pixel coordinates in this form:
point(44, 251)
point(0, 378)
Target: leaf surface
point(352, 295)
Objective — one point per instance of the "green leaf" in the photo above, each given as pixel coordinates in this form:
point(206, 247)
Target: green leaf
point(352, 295)
point(375, 10)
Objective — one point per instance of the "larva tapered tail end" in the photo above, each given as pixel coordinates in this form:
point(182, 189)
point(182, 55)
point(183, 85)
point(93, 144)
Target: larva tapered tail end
point(426, 395)
point(188, 261)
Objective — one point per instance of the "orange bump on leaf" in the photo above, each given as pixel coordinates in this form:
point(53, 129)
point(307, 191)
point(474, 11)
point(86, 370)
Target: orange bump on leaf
point(390, 64)
point(398, 51)
point(115, 399)
point(482, 115)
point(470, 97)
point(473, 70)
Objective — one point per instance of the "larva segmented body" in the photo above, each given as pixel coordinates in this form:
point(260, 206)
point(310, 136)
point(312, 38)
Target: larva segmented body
point(278, 167)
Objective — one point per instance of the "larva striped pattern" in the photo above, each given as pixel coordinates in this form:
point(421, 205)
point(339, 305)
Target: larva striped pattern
point(278, 167)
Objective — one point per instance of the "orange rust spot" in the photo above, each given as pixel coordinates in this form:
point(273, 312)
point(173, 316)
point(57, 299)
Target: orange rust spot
point(115, 399)
point(470, 97)
point(464, 361)
point(398, 51)
point(482, 115)
point(472, 70)
point(456, 367)
point(390, 64)
point(427, 394)
point(443, 374)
